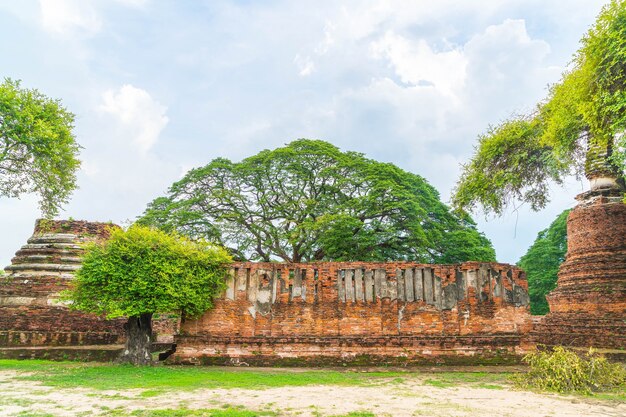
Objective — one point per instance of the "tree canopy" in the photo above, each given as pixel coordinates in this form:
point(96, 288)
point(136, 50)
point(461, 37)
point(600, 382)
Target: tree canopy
point(38, 151)
point(542, 260)
point(308, 201)
point(578, 129)
point(143, 271)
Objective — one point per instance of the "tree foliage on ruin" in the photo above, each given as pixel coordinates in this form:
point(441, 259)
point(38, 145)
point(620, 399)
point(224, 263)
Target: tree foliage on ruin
point(142, 271)
point(308, 201)
point(578, 129)
point(38, 151)
point(542, 261)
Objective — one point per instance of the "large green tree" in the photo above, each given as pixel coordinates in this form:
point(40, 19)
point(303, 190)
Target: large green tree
point(140, 272)
point(308, 201)
point(38, 151)
point(578, 129)
point(542, 261)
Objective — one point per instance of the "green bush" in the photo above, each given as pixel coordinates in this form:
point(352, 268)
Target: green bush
point(565, 371)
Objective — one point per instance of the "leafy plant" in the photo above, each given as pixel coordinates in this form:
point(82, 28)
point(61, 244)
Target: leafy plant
point(578, 129)
point(308, 201)
point(143, 271)
point(565, 371)
point(38, 151)
point(542, 261)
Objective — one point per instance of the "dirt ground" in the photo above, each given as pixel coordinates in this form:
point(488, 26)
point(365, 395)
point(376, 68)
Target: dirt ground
point(407, 397)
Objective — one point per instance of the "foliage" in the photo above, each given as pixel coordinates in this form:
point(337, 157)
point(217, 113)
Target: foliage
point(308, 201)
point(142, 270)
point(565, 371)
point(510, 163)
point(578, 128)
point(68, 375)
point(38, 151)
point(542, 260)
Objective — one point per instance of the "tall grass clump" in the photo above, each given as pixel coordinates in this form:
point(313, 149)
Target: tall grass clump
point(565, 371)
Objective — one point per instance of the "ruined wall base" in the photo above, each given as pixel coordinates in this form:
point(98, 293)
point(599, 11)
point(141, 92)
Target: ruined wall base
point(350, 351)
point(98, 353)
point(31, 312)
point(588, 306)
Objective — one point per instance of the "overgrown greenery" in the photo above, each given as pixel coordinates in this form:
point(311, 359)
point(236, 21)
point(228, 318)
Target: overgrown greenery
point(578, 128)
point(565, 371)
point(542, 260)
point(141, 271)
point(163, 378)
point(38, 151)
point(308, 201)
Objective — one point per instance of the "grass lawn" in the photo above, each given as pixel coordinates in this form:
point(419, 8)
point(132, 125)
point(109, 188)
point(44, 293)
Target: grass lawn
point(118, 377)
point(143, 391)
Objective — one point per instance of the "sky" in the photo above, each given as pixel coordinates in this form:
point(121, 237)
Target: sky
point(159, 87)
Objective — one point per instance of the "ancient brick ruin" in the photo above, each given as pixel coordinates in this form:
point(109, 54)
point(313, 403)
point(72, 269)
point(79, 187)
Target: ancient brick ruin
point(34, 323)
point(362, 313)
point(588, 307)
point(30, 312)
point(343, 312)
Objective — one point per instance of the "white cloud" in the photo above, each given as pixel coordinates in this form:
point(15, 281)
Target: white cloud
point(415, 62)
point(305, 65)
point(139, 112)
point(419, 101)
point(77, 16)
point(133, 3)
point(68, 16)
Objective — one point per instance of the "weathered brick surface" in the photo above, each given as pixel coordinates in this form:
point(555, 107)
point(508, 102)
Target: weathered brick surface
point(588, 307)
point(30, 312)
point(355, 312)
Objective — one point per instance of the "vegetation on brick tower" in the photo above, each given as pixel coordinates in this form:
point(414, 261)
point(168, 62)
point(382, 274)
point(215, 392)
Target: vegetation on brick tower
point(578, 129)
point(542, 260)
point(38, 152)
point(142, 271)
point(308, 201)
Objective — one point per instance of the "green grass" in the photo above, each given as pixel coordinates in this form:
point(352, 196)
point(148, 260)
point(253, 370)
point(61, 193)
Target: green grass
point(185, 412)
point(618, 396)
point(486, 380)
point(159, 378)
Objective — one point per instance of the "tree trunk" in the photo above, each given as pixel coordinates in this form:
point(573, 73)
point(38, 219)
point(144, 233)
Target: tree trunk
point(138, 340)
point(601, 172)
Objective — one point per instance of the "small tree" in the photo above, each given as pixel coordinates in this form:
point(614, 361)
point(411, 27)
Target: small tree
point(142, 271)
point(38, 152)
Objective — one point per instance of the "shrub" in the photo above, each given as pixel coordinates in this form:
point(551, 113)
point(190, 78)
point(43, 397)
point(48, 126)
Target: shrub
point(565, 371)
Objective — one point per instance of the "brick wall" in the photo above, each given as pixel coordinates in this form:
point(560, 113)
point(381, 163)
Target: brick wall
point(30, 311)
point(588, 307)
point(362, 313)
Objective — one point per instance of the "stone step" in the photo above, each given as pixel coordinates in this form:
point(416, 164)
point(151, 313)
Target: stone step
point(47, 246)
point(53, 238)
point(34, 275)
point(43, 267)
point(46, 259)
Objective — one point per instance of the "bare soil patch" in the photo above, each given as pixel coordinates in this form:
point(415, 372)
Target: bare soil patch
point(411, 395)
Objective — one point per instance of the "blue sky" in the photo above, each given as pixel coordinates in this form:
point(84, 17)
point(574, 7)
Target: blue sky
point(160, 87)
